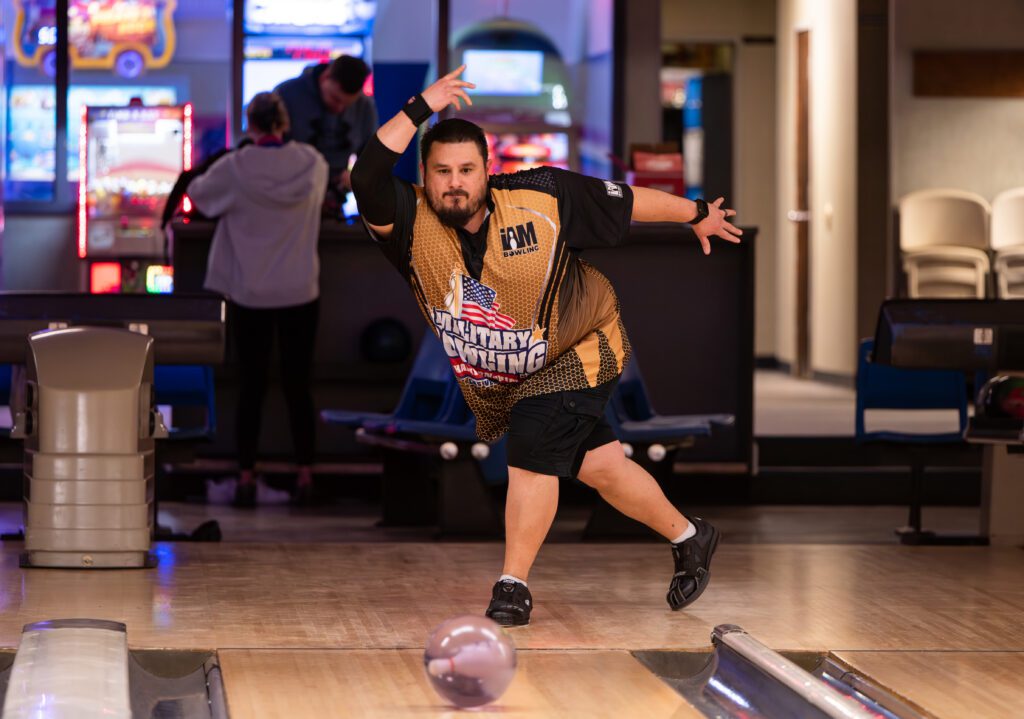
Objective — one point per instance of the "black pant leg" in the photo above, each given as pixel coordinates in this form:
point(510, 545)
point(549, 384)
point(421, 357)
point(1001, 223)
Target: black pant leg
point(253, 332)
point(296, 335)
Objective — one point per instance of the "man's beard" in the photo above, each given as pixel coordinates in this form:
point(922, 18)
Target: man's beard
point(456, 217)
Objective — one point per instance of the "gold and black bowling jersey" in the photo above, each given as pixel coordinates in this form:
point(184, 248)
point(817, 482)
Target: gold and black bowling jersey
point(517, 310)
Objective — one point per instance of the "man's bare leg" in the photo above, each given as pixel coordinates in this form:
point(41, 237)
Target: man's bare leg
point(633, 491)
point(629, 488)
point(529, 510)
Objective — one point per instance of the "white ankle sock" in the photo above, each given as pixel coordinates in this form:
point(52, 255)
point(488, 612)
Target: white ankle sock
point(510, 578)
point(690, 531)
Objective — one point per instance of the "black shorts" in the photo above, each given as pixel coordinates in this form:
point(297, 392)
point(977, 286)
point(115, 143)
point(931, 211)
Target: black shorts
point(552, 433)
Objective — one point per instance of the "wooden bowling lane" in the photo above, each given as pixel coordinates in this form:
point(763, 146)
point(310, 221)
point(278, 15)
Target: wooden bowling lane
point(588, 596)
point(949, 685)
point(265, 684)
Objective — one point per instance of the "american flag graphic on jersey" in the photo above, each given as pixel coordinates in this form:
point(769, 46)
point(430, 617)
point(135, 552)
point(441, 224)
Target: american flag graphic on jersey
point(479, 307)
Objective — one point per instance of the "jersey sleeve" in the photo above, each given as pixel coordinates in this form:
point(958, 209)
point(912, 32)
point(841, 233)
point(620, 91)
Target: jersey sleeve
point(398, 246)
point(594, 213)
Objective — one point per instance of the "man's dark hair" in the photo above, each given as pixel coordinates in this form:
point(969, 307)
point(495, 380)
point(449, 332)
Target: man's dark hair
point(453, 130)
point(266, 112)
point(349, 72)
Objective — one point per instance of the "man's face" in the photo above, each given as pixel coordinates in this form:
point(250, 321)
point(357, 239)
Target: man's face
point(334, 98)
point(455, 181)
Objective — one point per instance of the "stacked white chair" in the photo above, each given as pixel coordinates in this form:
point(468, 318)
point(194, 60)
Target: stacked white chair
point(944, 242)
point(1008, 243)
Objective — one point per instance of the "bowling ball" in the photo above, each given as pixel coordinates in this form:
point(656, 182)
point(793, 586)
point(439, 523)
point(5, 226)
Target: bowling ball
point(385, 340)
point(1002, 397)
point(469, 661)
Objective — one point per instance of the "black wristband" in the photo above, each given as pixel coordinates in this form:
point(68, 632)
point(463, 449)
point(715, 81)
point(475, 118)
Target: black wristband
point(417, 110)
point(702, 211)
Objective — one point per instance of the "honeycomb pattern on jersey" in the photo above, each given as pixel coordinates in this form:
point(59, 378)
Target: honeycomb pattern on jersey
point(538, 178)
point(609, 367)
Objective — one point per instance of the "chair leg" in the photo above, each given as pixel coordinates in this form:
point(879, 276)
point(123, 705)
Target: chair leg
point(913, 533)
point(916, 497)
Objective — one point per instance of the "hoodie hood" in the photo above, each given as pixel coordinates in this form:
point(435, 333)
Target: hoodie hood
point(280, 176)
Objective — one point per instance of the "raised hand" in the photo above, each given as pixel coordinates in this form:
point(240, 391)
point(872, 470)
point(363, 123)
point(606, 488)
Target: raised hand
point(448, 91)
point(715, 225)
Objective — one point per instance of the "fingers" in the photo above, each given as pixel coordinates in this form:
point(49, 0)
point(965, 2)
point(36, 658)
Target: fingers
point(456, 72)
point(464, 96)
point(730, 213)
point(705, 244)
point(726, 232)
point(718, 202)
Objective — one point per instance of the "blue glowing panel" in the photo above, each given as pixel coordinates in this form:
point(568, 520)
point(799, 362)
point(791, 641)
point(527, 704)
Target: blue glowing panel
point(310, 17)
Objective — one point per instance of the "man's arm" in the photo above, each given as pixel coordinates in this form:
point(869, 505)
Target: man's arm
point(657, 206)
point(371, 176)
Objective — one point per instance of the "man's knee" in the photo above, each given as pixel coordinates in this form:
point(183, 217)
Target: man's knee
point(603, 466)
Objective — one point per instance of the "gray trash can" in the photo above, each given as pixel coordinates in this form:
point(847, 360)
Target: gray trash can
point(88, 421)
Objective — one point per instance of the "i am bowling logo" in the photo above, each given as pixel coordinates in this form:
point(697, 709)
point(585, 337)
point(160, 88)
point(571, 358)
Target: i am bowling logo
point(481, 342)
point(518, 240)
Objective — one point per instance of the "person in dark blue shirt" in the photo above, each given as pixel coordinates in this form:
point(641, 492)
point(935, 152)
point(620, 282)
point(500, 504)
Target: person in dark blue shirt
point(330, 111)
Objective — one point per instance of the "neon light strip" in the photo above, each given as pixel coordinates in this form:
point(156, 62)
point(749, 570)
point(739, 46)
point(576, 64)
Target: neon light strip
point(83, 180)
point(186, 203)
point(188, 136)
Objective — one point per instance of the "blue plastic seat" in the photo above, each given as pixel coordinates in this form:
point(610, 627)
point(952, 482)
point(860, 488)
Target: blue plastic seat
point(453, 420)
point(187, 386)
point(632, 415)
point(432, 410)
point(424, 395)
point(5, 384)
point(885, 387)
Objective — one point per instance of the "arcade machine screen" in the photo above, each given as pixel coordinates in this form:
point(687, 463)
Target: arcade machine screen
point(514, 74)
point(124, 35)
point(310, 17)
point(504, 72)
point(282, 38)
point(269, 61)
point(31, 126)
point(515, 151)
point(132, 157)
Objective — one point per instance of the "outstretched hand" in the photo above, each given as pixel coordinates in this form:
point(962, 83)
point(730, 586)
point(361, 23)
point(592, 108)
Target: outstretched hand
point(448, 91)
point(716, 225)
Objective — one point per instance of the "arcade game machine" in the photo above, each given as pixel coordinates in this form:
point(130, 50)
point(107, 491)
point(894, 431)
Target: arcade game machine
point(121, 35)
point(110, 42)
point(521, 98)
point(130, 159)
point(280, 38)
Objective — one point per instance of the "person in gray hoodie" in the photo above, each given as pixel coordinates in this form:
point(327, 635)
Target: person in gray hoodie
point(266, 197)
